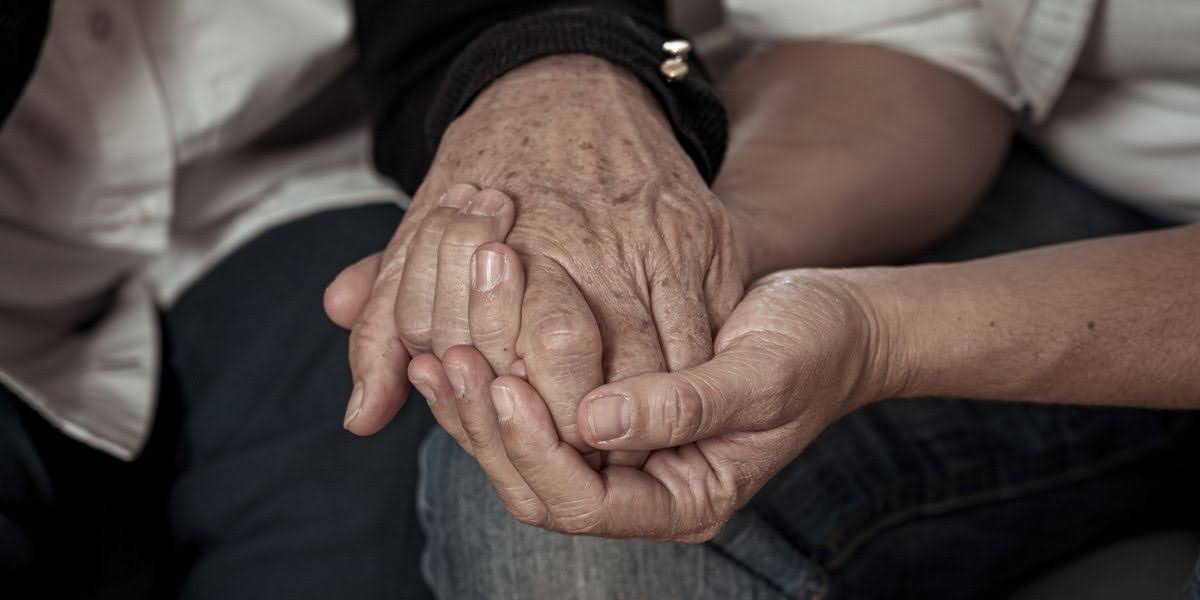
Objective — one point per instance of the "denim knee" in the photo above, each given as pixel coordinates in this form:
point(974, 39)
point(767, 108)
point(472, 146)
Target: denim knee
point(474, 549)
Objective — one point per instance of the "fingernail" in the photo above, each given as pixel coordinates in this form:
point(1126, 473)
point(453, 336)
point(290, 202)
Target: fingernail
point(518, 369)
point(424, 389)
point(354, 408)
point(457, 382)
point(487, 205)
point(453, 200)
point(503, 400)
point(489, 268)
point(609, 417)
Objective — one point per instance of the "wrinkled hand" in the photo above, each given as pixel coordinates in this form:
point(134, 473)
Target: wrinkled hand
point(631, 260)
point(796, 354)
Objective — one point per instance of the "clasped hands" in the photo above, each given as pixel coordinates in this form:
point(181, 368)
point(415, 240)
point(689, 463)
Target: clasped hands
point(562, 330)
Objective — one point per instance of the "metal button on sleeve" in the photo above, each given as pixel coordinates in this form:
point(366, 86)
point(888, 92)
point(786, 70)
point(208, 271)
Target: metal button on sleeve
point(676, 67)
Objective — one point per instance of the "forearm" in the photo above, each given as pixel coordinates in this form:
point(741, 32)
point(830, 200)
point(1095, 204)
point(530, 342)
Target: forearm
point(1112, 321)
point(844, 154)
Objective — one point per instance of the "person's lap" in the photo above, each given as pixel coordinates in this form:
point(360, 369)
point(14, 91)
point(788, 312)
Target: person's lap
point(917, 498)
point(250, 487)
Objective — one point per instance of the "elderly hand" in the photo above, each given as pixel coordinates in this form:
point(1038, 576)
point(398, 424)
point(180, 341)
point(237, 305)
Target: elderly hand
point(799, 352)
point(609, 215)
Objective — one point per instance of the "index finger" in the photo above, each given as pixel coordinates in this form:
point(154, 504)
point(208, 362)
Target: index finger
point(559, 343)
point(378, 357)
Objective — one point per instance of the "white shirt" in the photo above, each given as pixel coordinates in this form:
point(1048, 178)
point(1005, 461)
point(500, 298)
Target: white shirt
point(142, 152)
point(1111, 88)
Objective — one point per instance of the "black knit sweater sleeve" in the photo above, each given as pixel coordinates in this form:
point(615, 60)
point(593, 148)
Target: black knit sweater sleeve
point(425, 60)
point(23, 25)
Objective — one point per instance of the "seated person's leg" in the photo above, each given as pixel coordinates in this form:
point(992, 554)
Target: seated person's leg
point(75, 522)
point(24, 494)
point(274, 498)
point(476, 550)
point(924, 498)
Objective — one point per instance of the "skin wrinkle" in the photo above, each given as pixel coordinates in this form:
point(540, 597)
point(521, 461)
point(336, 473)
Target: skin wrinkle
point(832, 347)
point(565, 176)
point(697, 486)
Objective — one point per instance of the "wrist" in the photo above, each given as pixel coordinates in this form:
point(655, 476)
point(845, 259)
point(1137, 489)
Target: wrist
point(887, 370)
point(571, 80)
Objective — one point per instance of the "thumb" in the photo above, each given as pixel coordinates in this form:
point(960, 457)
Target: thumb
point(743, 388)
point(346, 297)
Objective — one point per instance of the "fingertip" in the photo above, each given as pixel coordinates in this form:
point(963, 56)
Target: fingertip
point(339, 306)
point(520, 370)
point(424, 368)
point(354, 406)
point(502, 400)
point(493, 265)
point(605, 418)
point(491, 203)
point(525, 422)
point(347, 295)
point(458, 196)
point(466, 359)
point(499, 248)
point(515, 399)
point(646, 412)
point(512, 384)
point(467, 370)
point(379, 403)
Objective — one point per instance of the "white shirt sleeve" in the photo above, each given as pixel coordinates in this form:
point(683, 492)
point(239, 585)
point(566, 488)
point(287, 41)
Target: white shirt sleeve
point(953, 34)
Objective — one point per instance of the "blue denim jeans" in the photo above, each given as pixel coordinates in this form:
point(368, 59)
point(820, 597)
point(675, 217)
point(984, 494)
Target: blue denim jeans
point(925, 498)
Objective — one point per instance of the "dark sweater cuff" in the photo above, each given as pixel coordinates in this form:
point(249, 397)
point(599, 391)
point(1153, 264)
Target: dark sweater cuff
point(691, 103)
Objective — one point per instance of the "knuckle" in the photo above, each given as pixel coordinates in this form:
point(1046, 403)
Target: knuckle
point(527, 511)
point(478, 435)
point(414, 334)
point(582, 514)
point(578, 524)
point(682, 414)
point(492, 334)
point(566, 335)
point(368, 340)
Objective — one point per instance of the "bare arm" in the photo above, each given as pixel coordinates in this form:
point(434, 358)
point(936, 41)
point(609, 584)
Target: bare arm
point(1111, 321)
point(844, 154)
point(849, 155)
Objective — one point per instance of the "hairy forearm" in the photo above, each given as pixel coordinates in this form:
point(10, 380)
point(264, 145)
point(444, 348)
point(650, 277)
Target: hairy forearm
point(1111, 321)
point(844, 154)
